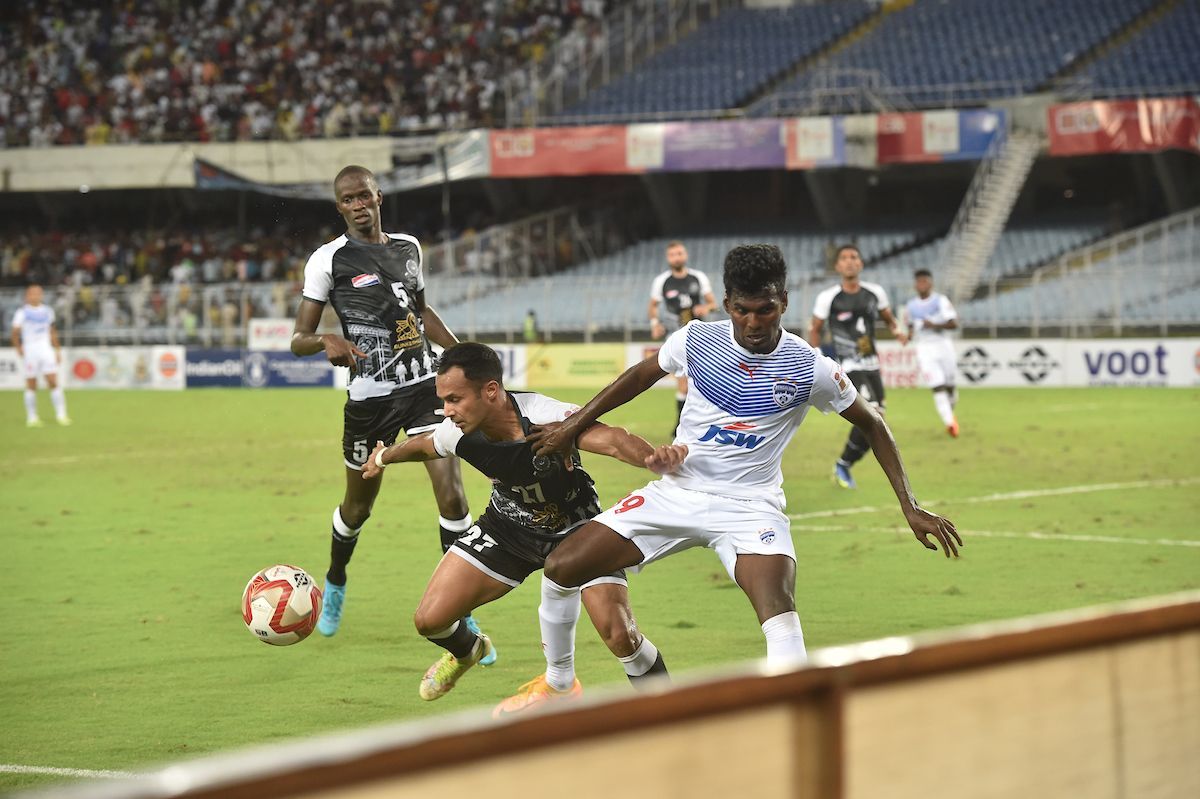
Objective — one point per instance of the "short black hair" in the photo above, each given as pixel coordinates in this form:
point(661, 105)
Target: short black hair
point(752, 270)
point(479, 363)
point(843, 247)
point(354, 169)
point(923, 273)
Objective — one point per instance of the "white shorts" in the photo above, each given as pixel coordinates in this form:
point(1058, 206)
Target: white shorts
point(662, 519)
point(40, 362)
point(938, 363)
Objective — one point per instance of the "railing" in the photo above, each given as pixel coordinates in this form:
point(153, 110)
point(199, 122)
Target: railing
point(577, 64)
point(1143, 280)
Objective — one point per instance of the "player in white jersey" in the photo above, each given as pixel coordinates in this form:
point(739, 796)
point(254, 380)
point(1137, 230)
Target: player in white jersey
point(752, 384)
point(36, 341)
point(930, 315)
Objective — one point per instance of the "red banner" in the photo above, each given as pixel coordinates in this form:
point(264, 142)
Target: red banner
point(589, 150)
point(1124, 126)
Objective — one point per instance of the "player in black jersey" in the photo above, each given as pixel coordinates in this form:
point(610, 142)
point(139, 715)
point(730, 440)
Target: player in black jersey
point(677, 296)
point(536, 503)
point(850, 309)
point(375, 282)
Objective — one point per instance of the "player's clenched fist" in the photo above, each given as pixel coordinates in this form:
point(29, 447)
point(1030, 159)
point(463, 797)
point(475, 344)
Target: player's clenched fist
point(371, 468)
point(667, 458)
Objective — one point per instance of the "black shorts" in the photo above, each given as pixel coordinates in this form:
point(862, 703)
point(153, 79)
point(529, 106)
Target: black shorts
point(870, 384)
point(509, 556)
point(415, 409)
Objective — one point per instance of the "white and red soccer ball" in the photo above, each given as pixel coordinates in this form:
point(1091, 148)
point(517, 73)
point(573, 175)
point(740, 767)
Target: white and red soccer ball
point(281, 605)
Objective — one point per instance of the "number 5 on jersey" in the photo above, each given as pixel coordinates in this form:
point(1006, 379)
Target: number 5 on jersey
point(401, 294)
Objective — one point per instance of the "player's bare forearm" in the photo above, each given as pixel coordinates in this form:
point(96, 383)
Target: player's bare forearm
point(631, 383)
point(923, 523)
point(615, 442)
point(814, 332)
point(436, 330)
point(305, 339)
point(16, 341)
point(410, 450)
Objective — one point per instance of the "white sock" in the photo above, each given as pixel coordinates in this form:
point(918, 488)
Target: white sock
point(941, 401)
point(785, 640)
point(60, 402)
point(30, 405)
point(558, 612)
point(455, 525)
point(680, 396)
point(642, 659)
point(343, 529)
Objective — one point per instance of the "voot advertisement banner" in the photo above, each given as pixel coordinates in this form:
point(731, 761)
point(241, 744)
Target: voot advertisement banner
point(1058, 363)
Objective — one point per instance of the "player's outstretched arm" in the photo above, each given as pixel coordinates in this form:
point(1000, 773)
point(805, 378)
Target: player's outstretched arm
point(633, 382)
point(619, 443)
point(16, 341)
point(417, 448)
point(923, 523)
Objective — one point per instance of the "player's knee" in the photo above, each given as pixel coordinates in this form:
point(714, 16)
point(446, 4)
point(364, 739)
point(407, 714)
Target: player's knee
point(428, 621)
point(355, 513)
point(452, 505)
point(560, 569)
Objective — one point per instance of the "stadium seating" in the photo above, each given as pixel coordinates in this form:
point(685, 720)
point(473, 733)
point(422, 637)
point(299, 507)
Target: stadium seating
point(1147, 285)
point(1022, 246)
point(77, 72)
point(726, 61)
point(1005, 48)
point(1164, 56)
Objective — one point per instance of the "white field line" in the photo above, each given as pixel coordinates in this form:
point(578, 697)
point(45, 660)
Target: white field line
point(12, 768)
point(1011, 495)
point(1033, 534)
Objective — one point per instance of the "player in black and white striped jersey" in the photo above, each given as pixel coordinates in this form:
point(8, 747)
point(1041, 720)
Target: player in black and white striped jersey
point(678, 296)
point(376, 284)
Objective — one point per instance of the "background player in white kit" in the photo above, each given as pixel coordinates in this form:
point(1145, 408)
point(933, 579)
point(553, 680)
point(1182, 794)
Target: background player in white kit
point(752, 384)
point(36, 341)
point(930, 315)
point(677, 296)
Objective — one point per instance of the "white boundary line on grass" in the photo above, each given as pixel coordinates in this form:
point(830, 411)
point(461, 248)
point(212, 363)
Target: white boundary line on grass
point(1034, 534)
point(1029, 494)
point(12, 768)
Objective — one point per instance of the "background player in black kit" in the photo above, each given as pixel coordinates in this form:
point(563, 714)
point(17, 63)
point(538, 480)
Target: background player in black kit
point(677, 296)
point(536, 503)
point(376, 285)
point(850, 308)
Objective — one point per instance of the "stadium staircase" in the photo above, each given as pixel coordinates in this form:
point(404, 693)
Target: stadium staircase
point(985, 210)
point(1079, 65)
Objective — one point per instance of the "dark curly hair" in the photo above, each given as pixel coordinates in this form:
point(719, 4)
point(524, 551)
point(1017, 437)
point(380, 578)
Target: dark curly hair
point(479, 362)
point(752, 270)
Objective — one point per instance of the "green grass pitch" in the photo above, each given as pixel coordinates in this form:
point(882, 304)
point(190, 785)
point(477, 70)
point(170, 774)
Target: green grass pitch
point(127, 540)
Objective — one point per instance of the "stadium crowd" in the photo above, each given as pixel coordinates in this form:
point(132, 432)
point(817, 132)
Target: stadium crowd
point(76, 72)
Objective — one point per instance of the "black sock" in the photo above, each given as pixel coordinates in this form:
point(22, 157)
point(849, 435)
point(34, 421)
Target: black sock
point(340, 552)
point(856, 446)
point(643, 681)
point(459, 643)
point(679, 408)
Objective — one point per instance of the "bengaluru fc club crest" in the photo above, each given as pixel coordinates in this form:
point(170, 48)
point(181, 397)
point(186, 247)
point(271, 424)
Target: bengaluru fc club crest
point(784, 393)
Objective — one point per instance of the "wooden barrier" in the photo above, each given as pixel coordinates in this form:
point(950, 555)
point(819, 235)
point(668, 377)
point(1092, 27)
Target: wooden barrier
point(1102, 702)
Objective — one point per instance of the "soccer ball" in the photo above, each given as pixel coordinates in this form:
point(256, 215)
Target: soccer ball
point(281, 605)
